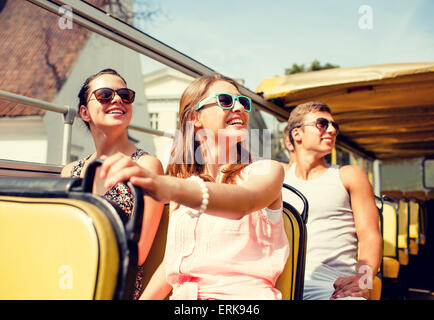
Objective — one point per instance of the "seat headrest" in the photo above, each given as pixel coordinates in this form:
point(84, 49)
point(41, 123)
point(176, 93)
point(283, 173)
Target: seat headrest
point(23, 186)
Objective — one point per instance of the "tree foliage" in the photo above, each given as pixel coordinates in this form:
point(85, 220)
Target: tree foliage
point(315, 66)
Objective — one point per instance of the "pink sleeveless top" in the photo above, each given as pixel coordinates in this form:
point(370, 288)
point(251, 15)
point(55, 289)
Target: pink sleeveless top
point(209, 257)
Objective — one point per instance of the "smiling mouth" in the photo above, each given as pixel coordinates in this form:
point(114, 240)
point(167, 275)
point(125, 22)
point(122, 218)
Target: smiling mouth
point(235, 122)
point(115, 111)
point(328, 139)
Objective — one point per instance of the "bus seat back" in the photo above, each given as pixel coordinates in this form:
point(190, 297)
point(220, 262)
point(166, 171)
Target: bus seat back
point(56, 249)
point(390, 231)
point(291, 281)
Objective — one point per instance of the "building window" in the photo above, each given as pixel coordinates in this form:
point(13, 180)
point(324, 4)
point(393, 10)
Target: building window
point(153, 119)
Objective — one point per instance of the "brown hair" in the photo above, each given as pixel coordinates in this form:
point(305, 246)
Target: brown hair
point(296, 117)
point(184, 151)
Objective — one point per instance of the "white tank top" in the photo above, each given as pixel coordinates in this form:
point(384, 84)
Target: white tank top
point(331, 233)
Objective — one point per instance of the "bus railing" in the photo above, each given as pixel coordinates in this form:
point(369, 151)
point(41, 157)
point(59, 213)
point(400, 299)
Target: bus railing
point(69, 115)
point(14, 168)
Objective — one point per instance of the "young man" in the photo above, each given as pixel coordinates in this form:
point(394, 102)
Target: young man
point(344, 245)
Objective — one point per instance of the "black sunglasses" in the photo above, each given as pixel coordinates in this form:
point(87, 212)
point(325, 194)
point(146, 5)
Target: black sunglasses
point(322, 124)
point(105, 95)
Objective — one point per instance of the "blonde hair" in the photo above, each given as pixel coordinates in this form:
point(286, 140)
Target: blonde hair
point(185, 150)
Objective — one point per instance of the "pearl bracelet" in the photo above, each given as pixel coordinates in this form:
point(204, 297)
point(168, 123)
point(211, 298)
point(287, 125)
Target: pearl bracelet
point(205, 195)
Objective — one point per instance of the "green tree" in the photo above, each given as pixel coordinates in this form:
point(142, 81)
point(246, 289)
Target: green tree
point(295, 69)
point(315, 66)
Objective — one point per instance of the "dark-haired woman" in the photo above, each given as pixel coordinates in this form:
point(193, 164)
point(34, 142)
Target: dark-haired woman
point(226, 238)
point(105, 106)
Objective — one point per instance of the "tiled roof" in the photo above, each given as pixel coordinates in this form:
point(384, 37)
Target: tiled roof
point(36, 55)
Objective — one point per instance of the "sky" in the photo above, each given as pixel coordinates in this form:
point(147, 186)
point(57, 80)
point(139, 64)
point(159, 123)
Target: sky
point(258, 39)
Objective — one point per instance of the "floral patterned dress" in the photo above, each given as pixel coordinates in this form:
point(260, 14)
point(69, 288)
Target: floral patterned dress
point(122, 196)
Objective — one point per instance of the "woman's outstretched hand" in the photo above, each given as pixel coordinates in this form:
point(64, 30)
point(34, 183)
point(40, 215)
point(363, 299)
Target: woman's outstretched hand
point(119, 168)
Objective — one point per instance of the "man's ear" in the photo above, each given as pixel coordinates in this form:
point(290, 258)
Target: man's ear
point(297, 134)
point(84, 113)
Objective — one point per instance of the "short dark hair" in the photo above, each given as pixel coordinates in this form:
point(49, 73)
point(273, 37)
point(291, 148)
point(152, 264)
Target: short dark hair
point(296, 117)
point(83, 94)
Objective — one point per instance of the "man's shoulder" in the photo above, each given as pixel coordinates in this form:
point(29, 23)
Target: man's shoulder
point(351, 174)
point(351, 170)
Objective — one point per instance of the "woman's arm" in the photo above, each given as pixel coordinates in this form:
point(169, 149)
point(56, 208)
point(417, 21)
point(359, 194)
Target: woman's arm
point(152, 212)
point(261, 189)
point(158, 288)
point(66, 170)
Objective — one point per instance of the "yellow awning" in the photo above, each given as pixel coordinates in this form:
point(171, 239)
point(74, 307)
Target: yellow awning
point(385, 111)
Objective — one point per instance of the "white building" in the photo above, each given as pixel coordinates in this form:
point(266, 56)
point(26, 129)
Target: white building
point(163, 90)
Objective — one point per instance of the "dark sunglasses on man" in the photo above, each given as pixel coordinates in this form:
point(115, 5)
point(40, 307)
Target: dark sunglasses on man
point(105, 95)
point(322, 124)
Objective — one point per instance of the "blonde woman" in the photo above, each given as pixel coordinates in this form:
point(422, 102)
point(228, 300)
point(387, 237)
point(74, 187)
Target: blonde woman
point(226, 238)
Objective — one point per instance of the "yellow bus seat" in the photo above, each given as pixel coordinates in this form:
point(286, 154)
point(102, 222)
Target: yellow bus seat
point(390, 263)
point(403, 257)
point(298, 201)
point(390, 230)
point(413, 230)
point(423, 223)
point(59, 241)
point(390, 268)
point(291, 281)
point(379, 202)
point(413, 247)
point(375, 292)
point(403, 232)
